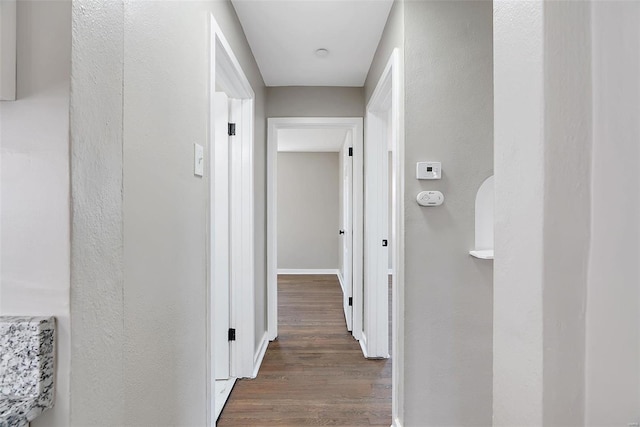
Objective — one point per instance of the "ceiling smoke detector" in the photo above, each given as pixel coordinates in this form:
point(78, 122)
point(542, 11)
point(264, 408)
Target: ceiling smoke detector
point(322, 53)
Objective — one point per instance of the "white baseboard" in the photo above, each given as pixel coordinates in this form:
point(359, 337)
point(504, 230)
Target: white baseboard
point(308, 271)
point(341, 280)
point(222, 391)
point(257, 358)
point(363, 345)
point(396, 423)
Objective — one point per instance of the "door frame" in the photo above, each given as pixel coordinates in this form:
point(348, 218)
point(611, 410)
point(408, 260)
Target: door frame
point(387, 97)
point(353, 124)
point(226, 74)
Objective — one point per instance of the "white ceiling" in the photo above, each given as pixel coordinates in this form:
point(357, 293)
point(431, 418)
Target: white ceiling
point(284, 35)
point(313, 140)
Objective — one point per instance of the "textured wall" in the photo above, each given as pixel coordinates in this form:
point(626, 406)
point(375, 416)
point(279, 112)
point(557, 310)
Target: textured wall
point(448, 294)
point(308, 212)
point(543, 125)
point(139, 249)
point(34, 183)
point(97, 277)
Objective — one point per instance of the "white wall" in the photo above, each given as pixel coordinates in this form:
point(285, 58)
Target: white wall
point(567, 348)
point(308, 210)
point(140, 221)
point(34, 183)
point(613, 304)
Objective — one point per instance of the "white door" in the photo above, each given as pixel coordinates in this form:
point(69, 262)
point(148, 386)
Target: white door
point(377, 236)
point(346, 231)
point(220, 236)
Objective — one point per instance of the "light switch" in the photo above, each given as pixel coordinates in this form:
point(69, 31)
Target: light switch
point(198, 160)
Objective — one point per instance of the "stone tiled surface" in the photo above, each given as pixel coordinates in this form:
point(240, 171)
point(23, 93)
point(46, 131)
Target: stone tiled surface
point(27, 368)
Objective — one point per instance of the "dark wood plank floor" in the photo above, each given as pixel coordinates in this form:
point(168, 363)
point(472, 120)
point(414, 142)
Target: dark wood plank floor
point(314, 374)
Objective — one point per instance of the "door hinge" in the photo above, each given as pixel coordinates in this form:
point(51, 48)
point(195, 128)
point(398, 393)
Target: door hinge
point(350, 151)
point(232, 334)
point(232, 129)
point(350, 301)
point(384, 242)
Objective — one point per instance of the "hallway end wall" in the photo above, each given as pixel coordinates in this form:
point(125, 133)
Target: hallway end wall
point(312, 101)
point(308, 215)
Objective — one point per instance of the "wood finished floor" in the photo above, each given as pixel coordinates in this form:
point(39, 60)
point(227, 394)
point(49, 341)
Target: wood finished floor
point(314, 374)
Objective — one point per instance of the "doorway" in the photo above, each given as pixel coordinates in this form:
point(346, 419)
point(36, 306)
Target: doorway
point(384, 231)
point(351, 230)
point(230, 238)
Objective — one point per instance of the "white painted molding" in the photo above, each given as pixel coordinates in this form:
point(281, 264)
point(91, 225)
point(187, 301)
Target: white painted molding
point(8, 47)
point(341, 280)
point(394, 71)
point(309, 271)
point(396, 423)
point(259, 356)
point(226, 75)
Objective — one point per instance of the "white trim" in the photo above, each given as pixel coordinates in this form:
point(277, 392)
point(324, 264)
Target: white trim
point(363, 344)
point(396, 423)
point(309, 271)
point(394, 72)
point(341, 280)
point(355, 125)
point(8, 49)
point(224, 396)
point(226, 75)
point(257, 358)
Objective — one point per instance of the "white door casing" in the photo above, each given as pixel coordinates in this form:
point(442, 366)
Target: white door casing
point(227, 76)
point(346, 224)
point(355, 126)
point(386, 105)
point(220, 236)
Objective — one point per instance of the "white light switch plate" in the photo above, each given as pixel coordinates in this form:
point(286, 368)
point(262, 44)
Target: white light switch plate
point(198, 160)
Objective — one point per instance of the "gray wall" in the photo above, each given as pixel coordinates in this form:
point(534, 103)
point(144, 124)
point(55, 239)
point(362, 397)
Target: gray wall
point(447, 294)
point(308, 210)
point(613, 303)
point(139, 286)
point(315, 102)
point(392, 38)
point(34, 184)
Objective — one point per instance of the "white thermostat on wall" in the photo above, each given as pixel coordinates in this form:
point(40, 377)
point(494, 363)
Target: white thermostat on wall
point(428, 170)
point(430, 198)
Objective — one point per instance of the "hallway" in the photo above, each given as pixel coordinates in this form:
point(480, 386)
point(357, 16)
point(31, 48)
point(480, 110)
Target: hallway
point(314, 373)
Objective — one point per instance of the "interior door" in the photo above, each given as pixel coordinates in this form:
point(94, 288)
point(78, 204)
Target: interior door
point(220, 255)
point(347, 231)
point(377, 236)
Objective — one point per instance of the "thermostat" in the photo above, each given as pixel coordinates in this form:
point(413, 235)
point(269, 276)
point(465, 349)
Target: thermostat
point(430, 198)
point(428, 170)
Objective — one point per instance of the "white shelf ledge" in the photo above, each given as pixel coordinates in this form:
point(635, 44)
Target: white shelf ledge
point(482, 254)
